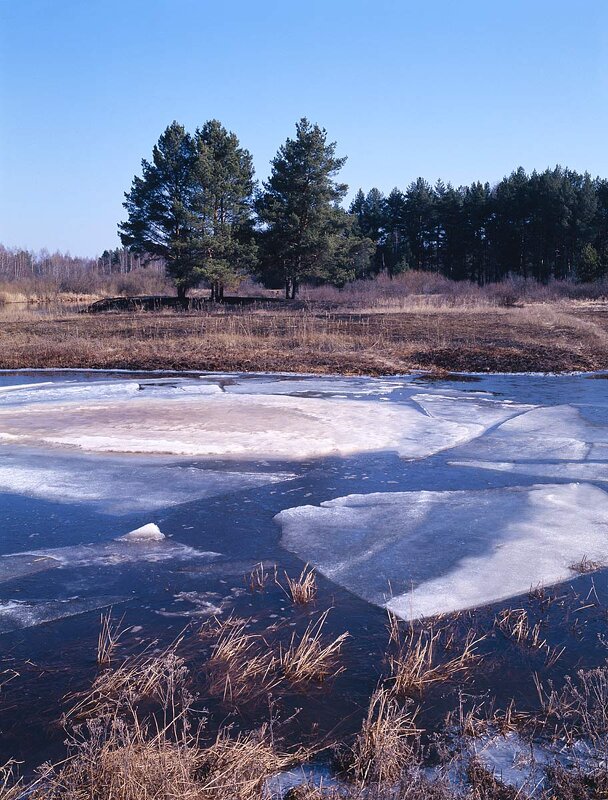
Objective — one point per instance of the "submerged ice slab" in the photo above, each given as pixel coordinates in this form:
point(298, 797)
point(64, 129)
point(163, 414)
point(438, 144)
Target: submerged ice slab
point(121, 486)
point(242, 425)
point(123, 550)
point(425, 553)
point(18, 614)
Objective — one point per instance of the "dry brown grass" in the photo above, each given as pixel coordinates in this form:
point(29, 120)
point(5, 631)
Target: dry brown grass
point(586, 565)
point(303, 589)
point(419, 656)
point(388, 743)
point(579, 710)
point(113, 758)
point(259, 578)
point(11, 786)
point(313, 658)
point(566, 335)
point(109, 634)
point(241, 667)
point(155, 677)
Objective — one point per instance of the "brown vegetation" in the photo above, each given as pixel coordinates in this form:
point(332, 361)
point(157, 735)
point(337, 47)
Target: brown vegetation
point(241, 666)
point(313, 658)
point(303, 589)
point(419, 657)
point(363, 329)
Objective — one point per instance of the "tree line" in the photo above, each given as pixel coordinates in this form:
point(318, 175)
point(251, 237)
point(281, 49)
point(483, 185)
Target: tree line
point(546, 225)
point(197, 209)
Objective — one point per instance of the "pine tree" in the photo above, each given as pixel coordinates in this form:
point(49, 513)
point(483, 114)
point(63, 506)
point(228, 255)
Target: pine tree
point(299, 212)
point(223, 207)
point(193, 207)
point(160, 207)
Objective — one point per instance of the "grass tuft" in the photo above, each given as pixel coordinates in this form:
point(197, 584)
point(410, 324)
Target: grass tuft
point(313, 658)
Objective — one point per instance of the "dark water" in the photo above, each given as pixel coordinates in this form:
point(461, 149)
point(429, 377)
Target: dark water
point(46, 661)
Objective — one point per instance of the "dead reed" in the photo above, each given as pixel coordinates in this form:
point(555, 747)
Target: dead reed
point(156, 677)
point(241, 666)
point(418, 659)
point(109, 634)
point(303, 589)
point(259, 578)
point(586, 565)
point(312, 658)
point(388, 743)
point(11, 785)
point(514, 623)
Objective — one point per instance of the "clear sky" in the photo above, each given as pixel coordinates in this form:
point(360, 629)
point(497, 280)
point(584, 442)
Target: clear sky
point(457, 89)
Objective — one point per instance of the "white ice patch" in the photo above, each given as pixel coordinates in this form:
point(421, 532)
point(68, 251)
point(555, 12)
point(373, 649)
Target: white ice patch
point(426, 553)
point(146, 533)
point(571, 471)
point(542, 434)
point(238, 425)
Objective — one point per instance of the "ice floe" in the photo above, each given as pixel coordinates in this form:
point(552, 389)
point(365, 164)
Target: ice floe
point(425, 553)
point(146, 533)
point(118, 551)
point(120, 486)
point(247, 425)
point(18, 614)
point(554, 432)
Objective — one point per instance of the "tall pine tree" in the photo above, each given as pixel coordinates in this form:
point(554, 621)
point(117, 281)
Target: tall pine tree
point(299, 210)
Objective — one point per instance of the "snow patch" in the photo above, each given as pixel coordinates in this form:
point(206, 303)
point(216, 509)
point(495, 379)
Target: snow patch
point(146, 533)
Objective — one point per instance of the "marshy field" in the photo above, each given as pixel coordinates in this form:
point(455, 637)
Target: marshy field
point(386, 326)
point(232, 585)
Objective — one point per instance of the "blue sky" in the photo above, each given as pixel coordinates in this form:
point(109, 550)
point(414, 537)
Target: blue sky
point(460, 90)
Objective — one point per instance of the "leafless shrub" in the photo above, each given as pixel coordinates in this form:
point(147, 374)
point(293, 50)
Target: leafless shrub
point(415, 663)
point(580, 708)
point(312, 658)
point(303, 589)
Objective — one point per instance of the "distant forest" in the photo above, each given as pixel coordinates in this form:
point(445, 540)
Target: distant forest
point(198, 212)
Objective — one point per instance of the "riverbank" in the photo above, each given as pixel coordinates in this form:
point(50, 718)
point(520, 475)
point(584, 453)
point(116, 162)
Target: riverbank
point(561, 336)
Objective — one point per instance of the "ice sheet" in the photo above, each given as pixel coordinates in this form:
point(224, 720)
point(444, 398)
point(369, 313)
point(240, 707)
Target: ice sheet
point(555, 432)
point(103, 554)
point(570, 471)
point(126, 420)
point(18, 614)
point(118, 487)
point(425, 553)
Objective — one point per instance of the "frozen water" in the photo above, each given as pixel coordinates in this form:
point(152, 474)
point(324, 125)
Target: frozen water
point(570, 471)
point(104, 554)
point(556, 432)
point(18, 614)
point(121, 486)
point(204, 420)
point(425, 553)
